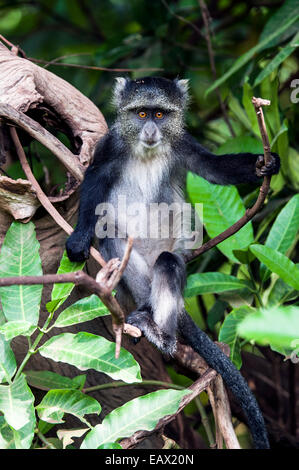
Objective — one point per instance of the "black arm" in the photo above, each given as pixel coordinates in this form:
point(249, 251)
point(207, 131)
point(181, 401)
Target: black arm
point(98, 181)
point(226, 169)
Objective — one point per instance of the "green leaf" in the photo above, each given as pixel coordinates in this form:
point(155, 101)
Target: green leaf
point(277, 326)
point(244, 142)
point(278, 263)
point(87, 351)
point(228, 333)
point(287, 11)
point(280, 293)
point(251, 114)
point(57, 402)
point(202, 283)
point(216, 313)
point(110, 445)
point(16, 328)
point(278, 59)
point(46, 380)
point(241, 61)
point(84, 310)
point(283, 232)
point(222, 207)
point(60, 292)
point(142, 413)
point(16, 404)
point(8, 364)
point(20, 257)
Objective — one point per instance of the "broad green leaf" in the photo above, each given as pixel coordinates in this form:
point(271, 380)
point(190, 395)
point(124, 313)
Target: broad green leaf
point(222, 207)
point(88, 351)
point(283, 232)
point(20, 257)
point(278, 326)
point(241, 61)
point(60, 292)
point(8, 364)
point(142, 413)
point(12, 439)
point(228, 333)
point(278, 59)
point(46, 380)
point(242, 143)
point(15, 328)
point(58, 402)
point(84, 310)
point(16, 404)
point(202, 283)
point(244, 256)
point(278, 263)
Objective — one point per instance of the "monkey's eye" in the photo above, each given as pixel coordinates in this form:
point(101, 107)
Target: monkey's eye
point(142, 114)
point(159, 114)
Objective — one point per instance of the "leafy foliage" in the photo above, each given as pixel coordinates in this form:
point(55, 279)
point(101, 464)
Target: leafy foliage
point(248, 285)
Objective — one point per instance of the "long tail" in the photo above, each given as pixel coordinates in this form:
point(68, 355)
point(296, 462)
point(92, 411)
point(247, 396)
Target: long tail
point(213, 355)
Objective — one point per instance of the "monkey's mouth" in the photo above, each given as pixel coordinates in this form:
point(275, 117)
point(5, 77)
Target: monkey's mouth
point(150, 144)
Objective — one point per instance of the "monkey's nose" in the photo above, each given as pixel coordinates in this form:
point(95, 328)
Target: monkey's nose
point(150, 134)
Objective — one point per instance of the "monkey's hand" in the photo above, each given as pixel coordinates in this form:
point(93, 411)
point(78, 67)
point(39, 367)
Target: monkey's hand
point(77, 247)
point(271, 168)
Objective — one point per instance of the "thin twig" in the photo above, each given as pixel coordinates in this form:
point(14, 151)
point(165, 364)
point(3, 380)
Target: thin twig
point(264, 189)
point(93, 67)
point(206, 20)
point(181, 18)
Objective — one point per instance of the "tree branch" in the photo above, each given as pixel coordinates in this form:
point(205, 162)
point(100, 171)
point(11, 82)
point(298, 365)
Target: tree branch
point(264, 189)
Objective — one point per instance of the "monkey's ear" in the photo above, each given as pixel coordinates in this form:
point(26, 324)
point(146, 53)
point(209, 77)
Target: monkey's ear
point(183, 86)
point(120, 84)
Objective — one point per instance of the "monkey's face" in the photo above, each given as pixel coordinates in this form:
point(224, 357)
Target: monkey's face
point(150, 110)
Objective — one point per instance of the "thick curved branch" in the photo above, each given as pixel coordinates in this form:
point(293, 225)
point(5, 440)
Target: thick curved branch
point(38, 132)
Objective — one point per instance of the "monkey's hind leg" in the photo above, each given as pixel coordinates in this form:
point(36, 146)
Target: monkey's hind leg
point(158, 317)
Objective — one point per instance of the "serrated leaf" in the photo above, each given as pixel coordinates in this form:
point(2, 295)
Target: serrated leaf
point(58, 402)
point(84, 310)
point(8, 364)
point(202, 283)
point(88, 351)
point(46, 380)
point(241, 61)
point(60, 292)
point(20, 257)
point(142, 413)
point(228, 333)
point(277, 326)
point(283, 232)
point(222, 207)
point(15, 328)
point(16, 404)
point(278, 263)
